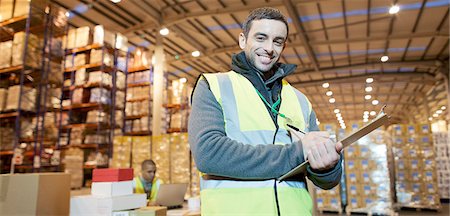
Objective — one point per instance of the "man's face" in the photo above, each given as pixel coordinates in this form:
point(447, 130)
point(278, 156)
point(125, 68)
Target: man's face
point(264, 43)
point(148, 172)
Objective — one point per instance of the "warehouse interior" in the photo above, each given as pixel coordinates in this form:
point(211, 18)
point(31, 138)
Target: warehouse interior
point(92, 84)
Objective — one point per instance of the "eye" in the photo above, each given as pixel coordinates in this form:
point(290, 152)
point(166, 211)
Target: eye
point(260, 38)
point(278, 42)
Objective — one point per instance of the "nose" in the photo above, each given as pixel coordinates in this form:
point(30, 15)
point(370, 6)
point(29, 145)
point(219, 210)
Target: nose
point(268, 47)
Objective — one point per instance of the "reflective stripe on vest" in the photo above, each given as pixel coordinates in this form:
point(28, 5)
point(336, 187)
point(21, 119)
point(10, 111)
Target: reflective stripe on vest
point(247, 120)
point(139, 187)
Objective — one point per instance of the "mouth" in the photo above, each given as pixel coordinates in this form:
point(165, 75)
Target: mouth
point(265, 59)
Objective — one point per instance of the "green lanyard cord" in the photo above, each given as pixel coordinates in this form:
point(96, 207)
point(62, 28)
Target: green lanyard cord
point(272, 108)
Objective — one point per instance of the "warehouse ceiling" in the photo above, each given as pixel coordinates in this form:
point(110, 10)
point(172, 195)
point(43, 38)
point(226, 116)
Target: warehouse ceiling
point(338, 42)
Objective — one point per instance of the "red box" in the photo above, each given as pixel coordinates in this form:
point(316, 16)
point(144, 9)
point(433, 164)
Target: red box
point(112, 175)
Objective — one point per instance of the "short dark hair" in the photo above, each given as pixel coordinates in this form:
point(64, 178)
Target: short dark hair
point(263, 13)
point(148, 162)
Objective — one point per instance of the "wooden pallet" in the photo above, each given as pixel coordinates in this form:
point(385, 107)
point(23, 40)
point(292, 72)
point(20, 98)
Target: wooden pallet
point(369, 212)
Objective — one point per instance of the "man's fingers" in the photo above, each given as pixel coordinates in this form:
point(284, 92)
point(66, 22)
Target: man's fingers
point(339, 147)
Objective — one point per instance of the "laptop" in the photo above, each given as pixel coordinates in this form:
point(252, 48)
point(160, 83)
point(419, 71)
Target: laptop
point(171, 195)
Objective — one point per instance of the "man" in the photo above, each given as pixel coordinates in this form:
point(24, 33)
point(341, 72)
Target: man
point(146, 182)
point(239, 135)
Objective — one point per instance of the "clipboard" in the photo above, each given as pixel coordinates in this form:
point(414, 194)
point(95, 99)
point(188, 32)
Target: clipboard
point(379, 121)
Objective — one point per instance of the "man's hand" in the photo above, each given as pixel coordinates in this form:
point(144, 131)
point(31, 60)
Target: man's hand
point(321, 152)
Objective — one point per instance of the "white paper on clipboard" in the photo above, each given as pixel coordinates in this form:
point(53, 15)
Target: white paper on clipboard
point(379, 121)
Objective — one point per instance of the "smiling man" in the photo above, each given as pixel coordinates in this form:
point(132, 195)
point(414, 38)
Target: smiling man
point(239, 135)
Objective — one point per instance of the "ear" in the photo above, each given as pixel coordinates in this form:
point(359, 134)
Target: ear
point(242, 40)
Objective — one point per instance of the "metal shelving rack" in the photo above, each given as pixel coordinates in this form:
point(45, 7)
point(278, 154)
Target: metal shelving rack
point(36, 29)
point(103, 128)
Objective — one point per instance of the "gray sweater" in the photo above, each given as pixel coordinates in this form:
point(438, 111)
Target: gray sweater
point(215, 153)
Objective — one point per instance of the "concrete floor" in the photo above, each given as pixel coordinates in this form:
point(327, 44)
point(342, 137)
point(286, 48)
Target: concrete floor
point(445, 211)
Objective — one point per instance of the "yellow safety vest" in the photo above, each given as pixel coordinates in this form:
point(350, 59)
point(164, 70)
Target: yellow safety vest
point(248, 121)
point(140, 187)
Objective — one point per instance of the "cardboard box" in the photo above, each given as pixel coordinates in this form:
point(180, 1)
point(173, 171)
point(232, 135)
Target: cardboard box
point(151, 211)
point(109, 189)
point(35, 194)
point(6, 9)
point(112, 175)
point(93, 205)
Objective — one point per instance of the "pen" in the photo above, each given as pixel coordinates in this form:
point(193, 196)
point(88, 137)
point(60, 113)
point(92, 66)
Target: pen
point(295, 128)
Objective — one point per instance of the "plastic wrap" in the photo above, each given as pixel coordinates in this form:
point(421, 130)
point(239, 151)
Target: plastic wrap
point(415, 166)
point(442, 148)
point(367, 175)
point(161, 156)
point(100, 95)
point(82, 36)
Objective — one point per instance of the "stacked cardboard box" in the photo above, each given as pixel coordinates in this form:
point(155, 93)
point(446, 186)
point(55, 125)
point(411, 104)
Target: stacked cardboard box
point(99, 77)
point(368, 183)
point(6, 50)
point(161, 156)
point(112, 190)
point(97, 116)
point(28, 97)
point(121, 157)
point(100, 95)
point(6, 138)
point(138, 92)
point(141, 146)
point(329, 200)
point(416, 177)
point(33, 50)
point(73, 165)
point(3, 95)
point(178, 92)
point(139, 77)
point(442, 148)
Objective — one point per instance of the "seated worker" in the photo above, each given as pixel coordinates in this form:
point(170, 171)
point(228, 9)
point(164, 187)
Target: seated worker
point(146, 182)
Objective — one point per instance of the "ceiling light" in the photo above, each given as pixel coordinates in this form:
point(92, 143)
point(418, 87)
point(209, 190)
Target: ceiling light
point(338, 114)
point(326, 85)
point(365, 120)
point(339, 118)
point(439, 111)
point(332, 100)
point(164, 31)
point(183, 80)
point(329, 93)
point(196, 53)
point(435, 115)
point(367, 97)
point(443, 108)
point(341, 121)
point(372, 113)
point(366, 112)
point(394, 9)
point(343, 127)
point(369, 80)
point(431, 118)
point(115, 1)
point(67, 14)
point(365, 116)
point(384, 58)
point(375, 102)
point(336, 110)
point(368, 89)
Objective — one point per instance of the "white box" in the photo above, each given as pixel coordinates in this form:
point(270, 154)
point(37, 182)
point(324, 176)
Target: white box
point(93, 205)
point(108, 189)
